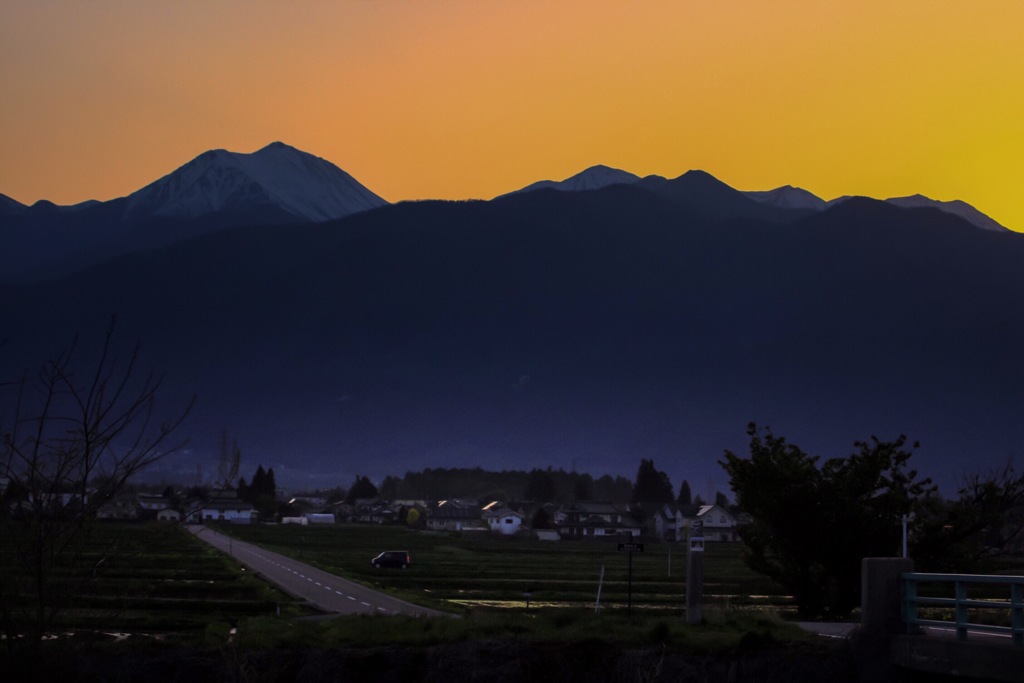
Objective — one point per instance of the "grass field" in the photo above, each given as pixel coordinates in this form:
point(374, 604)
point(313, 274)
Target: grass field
point(485, 571)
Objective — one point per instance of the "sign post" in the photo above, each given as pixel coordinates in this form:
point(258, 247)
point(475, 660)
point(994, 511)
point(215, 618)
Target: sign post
point(630, 548)
point(695, 574)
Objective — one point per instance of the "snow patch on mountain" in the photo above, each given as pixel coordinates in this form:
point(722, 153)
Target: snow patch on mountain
point(301, 184)
point(955, 207)
point(593, 178)
point(789, 197)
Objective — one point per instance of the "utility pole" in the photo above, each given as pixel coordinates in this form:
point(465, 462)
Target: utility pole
point(695, 574)
point(630, 547)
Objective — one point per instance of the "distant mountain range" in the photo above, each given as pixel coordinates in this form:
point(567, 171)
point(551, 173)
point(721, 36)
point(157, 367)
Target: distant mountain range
point(786, 197)
point(279, 184)
point(649, 318)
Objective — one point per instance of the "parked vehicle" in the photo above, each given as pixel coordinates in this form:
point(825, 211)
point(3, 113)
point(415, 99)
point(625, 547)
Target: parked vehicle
point(392, 558)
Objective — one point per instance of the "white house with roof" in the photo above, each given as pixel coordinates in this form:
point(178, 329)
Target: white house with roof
point(230, 510)
point(718, 523)
point(502, 519)
point(168, 515)
point(151, 502)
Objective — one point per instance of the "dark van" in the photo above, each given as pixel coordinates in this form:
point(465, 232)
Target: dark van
point(398, 559)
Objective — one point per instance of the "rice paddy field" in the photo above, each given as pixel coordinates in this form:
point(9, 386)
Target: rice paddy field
point(147, 577)
point(485, 571)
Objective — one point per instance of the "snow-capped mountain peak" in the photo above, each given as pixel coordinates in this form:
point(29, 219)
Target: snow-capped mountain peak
point(277, 175)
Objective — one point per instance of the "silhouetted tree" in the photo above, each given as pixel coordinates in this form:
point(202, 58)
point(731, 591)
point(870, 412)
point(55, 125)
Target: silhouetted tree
point(540, 487)
point(541, 519)
point(389, 487)
point(261, 493)
point(336, 494)
point(228, 464)
point(849, 508)
point(361, 488)
point(618, 488)
point(975, 533)
point(721, 500)
point(582, 487)
point(259, 482)
point(651, 490)
point(684, 497)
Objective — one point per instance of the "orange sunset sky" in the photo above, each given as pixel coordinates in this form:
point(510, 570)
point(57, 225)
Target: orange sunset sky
point(470, 99)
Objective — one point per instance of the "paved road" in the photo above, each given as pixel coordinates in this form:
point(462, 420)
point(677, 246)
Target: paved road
point(328, 592)
point(828, 629)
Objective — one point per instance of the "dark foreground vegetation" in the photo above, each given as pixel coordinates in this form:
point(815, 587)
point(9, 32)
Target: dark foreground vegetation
point(545, 647)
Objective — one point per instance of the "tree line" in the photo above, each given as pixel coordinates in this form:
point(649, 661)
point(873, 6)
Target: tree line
point(649, 490)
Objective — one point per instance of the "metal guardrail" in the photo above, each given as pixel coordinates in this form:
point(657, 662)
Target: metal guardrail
point(961, 603)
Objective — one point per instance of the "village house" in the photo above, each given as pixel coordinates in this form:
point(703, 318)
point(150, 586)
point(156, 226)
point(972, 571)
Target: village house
point(455, 515)
point(222, 509)
point(596, 520)
point(502, 519)
point(374, 511)
point(670, 522)
point(718, 523)
point(123, 507)
point(169, 515)
point(313, 518)
point(152, 502)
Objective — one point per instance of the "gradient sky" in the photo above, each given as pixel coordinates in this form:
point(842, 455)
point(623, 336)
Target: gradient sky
point(459, 99)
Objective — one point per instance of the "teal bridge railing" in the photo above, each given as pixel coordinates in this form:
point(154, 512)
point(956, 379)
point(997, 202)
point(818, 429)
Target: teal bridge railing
point(974, 597)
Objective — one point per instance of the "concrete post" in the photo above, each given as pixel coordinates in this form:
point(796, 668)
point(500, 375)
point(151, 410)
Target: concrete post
point(880, 605)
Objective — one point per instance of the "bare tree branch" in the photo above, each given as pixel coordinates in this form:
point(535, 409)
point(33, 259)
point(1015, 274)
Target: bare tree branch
point(74, 438)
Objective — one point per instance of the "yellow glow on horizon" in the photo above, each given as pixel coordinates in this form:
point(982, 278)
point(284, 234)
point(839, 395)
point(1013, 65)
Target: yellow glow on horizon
point(464, 98)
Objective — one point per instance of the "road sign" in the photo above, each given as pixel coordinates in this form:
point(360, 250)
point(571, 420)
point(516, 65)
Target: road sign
point(631, 547)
